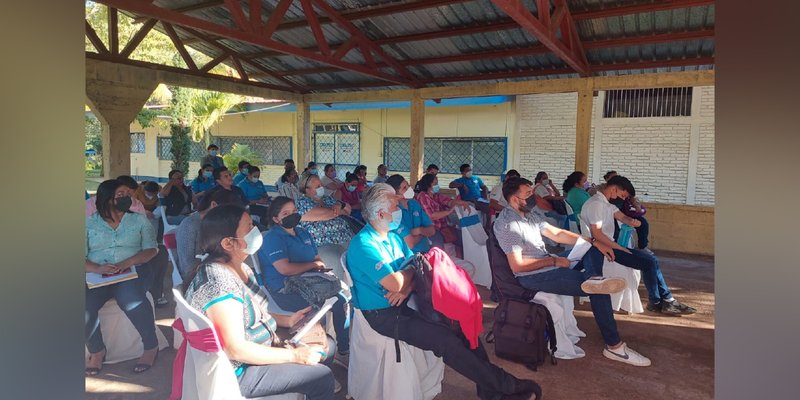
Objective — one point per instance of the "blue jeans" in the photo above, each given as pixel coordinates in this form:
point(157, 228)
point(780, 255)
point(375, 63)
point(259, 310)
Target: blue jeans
point(341, 314)
point(657, 289)
point(130, 296)
point(316, 382)
point(565, 281)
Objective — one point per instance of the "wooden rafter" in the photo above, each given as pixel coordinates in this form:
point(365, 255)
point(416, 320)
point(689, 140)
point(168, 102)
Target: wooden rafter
point(113, 30)
point(95, 40)
point(179, 45)
point(138, 37)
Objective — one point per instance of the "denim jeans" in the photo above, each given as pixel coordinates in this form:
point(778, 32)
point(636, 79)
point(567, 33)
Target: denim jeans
point(130, 296)
point(316, 382)
point(566, 281)
point(642, 232)
point(341, 314)
point(657, 289)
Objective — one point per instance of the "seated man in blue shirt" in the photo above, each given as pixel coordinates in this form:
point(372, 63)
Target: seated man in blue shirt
point(472, 189)
point(244, 170)
point(416, 227)
point(381, 288)
point(255, 192)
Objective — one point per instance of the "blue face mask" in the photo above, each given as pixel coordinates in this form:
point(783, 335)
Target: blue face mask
point(312, 171)
point(435, 188)
point(351, 188)
point(207, 174)
point(397, 219)
point(213, 152)
point(244, 171)
point(253, 179)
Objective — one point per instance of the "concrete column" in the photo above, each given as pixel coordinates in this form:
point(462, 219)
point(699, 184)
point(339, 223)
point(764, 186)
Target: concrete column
point(116, 104)
point(583, 127)
point(417, 138)
point(303, 135)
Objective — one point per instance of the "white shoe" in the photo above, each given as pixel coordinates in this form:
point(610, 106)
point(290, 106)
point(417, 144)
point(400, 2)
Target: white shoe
point(337, 387)
point(603, 285)
point(626, 355)
point(648, 251)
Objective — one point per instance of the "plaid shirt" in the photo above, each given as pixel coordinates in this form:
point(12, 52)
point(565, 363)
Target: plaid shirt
point(433, 203)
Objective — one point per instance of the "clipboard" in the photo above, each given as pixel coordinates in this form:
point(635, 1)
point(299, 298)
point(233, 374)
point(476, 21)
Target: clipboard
point(308, 324)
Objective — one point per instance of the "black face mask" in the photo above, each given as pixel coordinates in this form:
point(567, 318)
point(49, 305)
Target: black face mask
point(123, 204)
point(530, 202)
point(290, 221)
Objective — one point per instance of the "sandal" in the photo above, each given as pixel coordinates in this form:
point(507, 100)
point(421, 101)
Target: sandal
point(141, 367)
point(93, 371)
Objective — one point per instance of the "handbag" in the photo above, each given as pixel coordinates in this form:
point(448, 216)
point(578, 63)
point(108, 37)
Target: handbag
point(313, 287)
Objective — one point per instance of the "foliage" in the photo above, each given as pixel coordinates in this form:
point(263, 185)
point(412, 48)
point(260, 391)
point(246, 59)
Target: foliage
point(146, 117)
point(241, 152)
point(93, 132)
point(180, 148)
point(209, 108)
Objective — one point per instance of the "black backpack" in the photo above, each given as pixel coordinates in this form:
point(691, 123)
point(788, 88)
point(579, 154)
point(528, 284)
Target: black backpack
point(423, 282)
point(521, 330)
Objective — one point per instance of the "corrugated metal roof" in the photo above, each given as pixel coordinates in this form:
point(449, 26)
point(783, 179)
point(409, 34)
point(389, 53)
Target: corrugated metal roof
point(462, 14)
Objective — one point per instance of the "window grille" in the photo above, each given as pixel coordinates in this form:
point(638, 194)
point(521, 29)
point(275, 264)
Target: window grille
point(338, 144)
point(486, 155)
point(657, 102)
point(137, 142)
point(272, 149)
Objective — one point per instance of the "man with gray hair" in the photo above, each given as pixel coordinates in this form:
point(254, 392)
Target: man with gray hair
point(381, 289)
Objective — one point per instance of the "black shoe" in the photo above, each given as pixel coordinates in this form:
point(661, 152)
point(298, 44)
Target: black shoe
point(92, 371)
point(683, 309)
point(663, 307)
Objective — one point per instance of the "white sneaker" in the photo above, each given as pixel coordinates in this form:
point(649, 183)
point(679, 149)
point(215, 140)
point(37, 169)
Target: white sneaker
point(648, 251)
point(337, 387)
point(626, 355)
point(603, 285)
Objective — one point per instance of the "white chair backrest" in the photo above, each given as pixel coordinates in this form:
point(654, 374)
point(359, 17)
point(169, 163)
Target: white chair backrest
point(348, 280)
point(205, 375)
point(169, 244)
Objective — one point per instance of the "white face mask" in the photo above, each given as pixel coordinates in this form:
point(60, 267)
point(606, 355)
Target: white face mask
point(468, 174)
point(435, 188)
point(397, 219)
point(320, 191)
point(253, 240)
point(409, 194)
point(545, 182)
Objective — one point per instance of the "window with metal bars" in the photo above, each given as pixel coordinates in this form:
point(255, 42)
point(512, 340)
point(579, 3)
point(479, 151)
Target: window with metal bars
point(486, 155)
point(137, 142)
point(337, 143)
point(656, 102)
point(272, 149)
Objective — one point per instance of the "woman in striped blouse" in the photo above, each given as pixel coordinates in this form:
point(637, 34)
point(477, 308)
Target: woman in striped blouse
point(225, 290)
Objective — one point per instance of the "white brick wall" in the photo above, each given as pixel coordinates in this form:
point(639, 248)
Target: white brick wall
point(546, 125)
point(705, 166)
point(653, 152)
point(654, 157)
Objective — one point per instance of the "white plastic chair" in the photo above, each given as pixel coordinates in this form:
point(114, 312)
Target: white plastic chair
point(122, 340)
point(572, 219)
point(566, 326)
point(373, 372)
point(171, 244)
point(628, 299)
point(209, 376)
point(272, 306)
point(473, 239)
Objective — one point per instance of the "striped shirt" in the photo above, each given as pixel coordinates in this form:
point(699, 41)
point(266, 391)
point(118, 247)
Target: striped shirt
point(214, 283)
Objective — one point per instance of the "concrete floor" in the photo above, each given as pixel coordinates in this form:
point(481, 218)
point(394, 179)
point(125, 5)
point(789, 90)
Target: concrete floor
point(681, 350)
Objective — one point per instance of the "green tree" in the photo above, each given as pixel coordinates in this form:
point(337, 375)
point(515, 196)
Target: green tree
point(238, 153)
point(209, 108)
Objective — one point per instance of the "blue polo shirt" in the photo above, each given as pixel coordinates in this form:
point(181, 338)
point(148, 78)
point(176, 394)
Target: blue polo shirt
point(252, 191)
point(370, 259)
point(414, 217)
point(473, 190)
point(239, 177)
point(201, 186)
point(279, 245)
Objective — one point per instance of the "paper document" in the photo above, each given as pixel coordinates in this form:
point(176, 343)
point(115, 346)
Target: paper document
point(578, 251)
point(94, 280)
point(313, 320)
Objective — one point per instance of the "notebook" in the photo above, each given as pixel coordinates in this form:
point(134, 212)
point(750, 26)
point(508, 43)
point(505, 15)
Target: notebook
point(95, 280)
point(310, 320)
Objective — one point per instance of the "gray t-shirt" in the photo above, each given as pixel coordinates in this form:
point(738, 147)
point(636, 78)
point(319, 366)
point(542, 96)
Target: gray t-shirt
point(186, 236)
point(523, 234)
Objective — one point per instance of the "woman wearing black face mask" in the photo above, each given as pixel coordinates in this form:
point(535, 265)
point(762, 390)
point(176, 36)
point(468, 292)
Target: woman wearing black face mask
point(290, 250)
point(118, 239)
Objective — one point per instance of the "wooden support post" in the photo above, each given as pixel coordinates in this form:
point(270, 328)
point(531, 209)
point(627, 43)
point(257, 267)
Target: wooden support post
point(417, 138)
point(303, 135)
point(583, 128)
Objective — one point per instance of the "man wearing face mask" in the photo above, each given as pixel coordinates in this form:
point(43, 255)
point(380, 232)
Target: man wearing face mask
point(290, 250)
point(213, 157)
point(415, 227)
point(520, 233)
point(244, 171)
point(380, 290)
point(496, 200)
point(188, 232)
